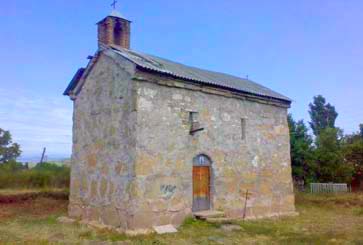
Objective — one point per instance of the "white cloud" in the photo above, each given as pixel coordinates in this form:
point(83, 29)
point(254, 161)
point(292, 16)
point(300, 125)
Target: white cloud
point(36, 121)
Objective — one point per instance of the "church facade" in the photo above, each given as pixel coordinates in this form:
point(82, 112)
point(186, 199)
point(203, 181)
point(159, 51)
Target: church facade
point(155, 141)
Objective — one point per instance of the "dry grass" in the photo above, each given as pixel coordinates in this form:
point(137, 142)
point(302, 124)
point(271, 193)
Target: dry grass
point(322, 220)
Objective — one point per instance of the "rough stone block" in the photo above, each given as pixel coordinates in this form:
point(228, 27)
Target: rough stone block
point(75, 211)
point(66, 220)
point(164, 229)
point(111, 217)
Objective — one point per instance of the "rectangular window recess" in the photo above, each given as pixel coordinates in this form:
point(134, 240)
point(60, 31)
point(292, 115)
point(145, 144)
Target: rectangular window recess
point(194, 122)
point(243, 128)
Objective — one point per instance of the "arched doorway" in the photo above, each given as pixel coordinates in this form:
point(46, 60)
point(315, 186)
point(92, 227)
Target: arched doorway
point(201, 183)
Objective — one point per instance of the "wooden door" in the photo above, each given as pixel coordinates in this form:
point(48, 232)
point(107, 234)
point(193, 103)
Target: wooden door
point(201, 188)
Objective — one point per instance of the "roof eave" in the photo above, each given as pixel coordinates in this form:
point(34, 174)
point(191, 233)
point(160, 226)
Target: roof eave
point(284, 101)
point(76, 78)
point(115, 17)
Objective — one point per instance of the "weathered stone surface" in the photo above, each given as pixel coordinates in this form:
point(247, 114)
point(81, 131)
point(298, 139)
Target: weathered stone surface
point(74, 211)
point(103, 143)
point(66, 220)
point(209, 214)
point(94, 190)
point(142, 219)
point(110, 216)
point(164, 229)
point(103, 187)
point(177, 207)
point(158, 205)
point(92, 160)
point(177, 218)
point(133, 153)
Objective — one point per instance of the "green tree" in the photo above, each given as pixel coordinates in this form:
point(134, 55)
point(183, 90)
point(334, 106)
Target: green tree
point(330, 158)
point(354, 137)
point(353, 151)
point(9, 151)
point(303, 167)
point(353, 155)
point(322, 115)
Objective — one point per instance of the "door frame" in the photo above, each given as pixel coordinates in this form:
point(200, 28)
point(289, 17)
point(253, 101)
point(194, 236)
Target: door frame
point(203, 160)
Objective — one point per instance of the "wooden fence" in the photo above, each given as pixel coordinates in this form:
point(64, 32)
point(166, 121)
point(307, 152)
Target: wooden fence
point(328, 188)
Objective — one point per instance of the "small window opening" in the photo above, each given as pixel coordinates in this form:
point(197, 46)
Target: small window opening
point(193, 116)
point(194, 122)
point(117, 34)
point(243, 128)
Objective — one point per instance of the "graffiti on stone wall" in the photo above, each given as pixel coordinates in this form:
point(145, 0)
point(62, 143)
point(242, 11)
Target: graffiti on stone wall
point(167, 191)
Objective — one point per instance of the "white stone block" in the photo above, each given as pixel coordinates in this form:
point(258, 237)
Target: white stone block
point(165, 229)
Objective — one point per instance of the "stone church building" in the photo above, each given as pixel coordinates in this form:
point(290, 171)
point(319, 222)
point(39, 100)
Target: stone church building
point(155, 141)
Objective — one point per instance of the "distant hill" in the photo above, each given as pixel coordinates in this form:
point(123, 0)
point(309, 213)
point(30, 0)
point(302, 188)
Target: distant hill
point(35, 159)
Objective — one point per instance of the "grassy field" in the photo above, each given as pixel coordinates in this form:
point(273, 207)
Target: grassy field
point(322, 220)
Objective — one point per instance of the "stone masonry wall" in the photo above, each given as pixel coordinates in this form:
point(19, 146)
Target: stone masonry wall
point(133, 154)
point(103, 144)
point(162, 188)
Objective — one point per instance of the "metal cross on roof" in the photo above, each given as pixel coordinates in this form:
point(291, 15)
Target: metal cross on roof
point(114, 4)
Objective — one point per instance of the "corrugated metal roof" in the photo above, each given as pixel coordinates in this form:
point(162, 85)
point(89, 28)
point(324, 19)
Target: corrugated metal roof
point(163, 66)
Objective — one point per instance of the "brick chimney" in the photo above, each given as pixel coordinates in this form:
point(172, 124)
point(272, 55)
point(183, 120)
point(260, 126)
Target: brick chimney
point(114, 30)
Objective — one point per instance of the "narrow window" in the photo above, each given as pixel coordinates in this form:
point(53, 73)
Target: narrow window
point(243, 128)
point(194, 122)
point(193, 117)
point(117, 33)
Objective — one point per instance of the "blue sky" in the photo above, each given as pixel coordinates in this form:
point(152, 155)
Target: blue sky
point(298, 48)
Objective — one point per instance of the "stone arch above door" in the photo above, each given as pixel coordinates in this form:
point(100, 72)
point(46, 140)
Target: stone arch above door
point(202, 160)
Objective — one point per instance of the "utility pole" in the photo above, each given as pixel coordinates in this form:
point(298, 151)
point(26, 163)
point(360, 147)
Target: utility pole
point(42, 159)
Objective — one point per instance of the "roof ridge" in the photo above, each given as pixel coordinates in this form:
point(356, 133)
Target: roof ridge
point(187, 72)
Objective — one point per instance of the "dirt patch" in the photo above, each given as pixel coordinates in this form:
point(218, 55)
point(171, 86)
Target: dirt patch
point(23, 197)
point(41, 207)
point(36, 204)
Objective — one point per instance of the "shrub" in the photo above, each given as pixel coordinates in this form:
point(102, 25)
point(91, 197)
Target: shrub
point(44, 175)
point(358, 211)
